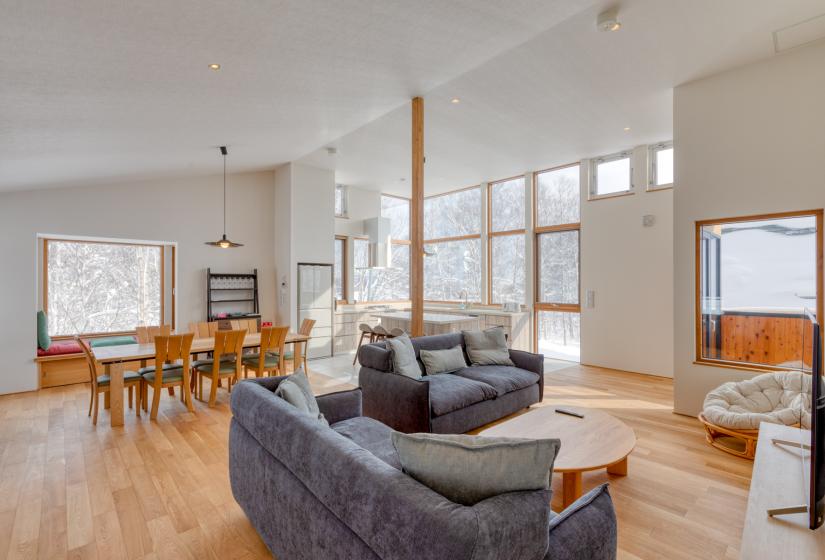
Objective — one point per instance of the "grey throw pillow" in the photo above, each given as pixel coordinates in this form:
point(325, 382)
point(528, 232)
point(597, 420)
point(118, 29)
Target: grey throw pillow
point(403, 356)
point(296, 391)
point(487, 348)
point(468, 469)
point(443, 361)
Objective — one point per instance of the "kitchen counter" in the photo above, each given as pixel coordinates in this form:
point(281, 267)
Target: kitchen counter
point(429, 318)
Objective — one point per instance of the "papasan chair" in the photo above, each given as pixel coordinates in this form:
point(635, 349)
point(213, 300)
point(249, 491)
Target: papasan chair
point(732, 412)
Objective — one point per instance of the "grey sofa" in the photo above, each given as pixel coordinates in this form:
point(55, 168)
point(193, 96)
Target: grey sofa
point(315, 492)
point(447, 403)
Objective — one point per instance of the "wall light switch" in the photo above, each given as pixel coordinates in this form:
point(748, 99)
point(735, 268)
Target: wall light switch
point(590, 299)
point(648, 220)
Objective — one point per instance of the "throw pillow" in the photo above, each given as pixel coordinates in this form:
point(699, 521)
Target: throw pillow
point(487, 348)
point(468, 469)
point(443, 361)
point(403, 356)
point(296, 391)
point(43, 338)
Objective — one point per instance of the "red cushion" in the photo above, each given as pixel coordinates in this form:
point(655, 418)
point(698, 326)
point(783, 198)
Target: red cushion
point(60, 348)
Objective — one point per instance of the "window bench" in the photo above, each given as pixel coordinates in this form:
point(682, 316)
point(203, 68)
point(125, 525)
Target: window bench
point(64, 364)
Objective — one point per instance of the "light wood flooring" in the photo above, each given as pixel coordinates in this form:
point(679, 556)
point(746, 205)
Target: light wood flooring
point(158, 490)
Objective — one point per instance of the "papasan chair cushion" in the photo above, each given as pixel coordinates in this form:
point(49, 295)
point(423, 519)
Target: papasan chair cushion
point(781, 397)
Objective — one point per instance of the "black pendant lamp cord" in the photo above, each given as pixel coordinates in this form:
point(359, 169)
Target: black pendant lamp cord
point(224, 192)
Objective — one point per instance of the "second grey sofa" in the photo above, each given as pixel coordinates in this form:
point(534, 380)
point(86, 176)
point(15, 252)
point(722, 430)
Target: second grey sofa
point(447, 403)
point(337, 493)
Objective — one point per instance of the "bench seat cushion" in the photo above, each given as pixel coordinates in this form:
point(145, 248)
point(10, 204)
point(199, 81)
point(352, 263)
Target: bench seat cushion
point(504, 379)
point(449, 392)
point(61, 348)
point(372, 435)
point(112, 341)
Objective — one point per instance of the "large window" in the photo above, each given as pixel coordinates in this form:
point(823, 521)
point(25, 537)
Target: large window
point(660, 172)
point(755, 277)
point(93, 287)
point(611, 175)
point(452, 245)
point(557, 262)
point(340, 269)
point(506, 204)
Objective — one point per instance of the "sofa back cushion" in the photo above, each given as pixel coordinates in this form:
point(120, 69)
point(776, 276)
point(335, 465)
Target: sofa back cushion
point(443, 361)
point(469, 469)
point(488, 347)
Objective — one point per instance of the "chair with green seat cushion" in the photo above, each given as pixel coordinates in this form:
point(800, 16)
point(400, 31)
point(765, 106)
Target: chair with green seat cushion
point(227, 343)
point(151, 369)
point(273, 341)
point(210, 361)
point(102, 383)
point(170, 350)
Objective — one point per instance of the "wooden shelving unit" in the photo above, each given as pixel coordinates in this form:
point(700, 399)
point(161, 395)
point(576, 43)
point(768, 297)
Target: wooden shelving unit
point(233, 286)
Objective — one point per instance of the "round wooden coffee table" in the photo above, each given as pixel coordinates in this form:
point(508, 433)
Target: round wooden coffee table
point(597, 441)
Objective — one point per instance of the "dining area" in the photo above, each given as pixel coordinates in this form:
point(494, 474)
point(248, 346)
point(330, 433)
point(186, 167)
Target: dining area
point(191, 365)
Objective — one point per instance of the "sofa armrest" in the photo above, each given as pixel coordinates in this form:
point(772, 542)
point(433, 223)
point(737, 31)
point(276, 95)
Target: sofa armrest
point(530, 362)
point(586, 529)
point(375, 356)
point(513, 526)
point(400, 402)
point(339, 406)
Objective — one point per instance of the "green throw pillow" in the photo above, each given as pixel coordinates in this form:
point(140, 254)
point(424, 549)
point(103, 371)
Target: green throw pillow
point(112, 341)
point(43, 338)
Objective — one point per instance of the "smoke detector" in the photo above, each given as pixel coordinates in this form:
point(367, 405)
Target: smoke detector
point(608, 20)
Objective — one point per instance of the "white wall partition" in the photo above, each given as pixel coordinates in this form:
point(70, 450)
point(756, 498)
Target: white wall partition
point(748, 141)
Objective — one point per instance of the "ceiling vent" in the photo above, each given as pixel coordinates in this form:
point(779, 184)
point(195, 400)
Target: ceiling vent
point(799, 34)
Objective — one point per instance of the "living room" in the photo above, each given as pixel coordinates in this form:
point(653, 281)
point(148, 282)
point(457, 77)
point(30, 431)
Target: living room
point(612, 210)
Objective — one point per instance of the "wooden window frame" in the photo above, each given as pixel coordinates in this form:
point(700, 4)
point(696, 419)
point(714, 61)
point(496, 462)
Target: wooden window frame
point(344, 203)
point(344, 268)
point(699, 224)
point(439, 240)
point(161, 246)
point(537, 232)
point(502, 233)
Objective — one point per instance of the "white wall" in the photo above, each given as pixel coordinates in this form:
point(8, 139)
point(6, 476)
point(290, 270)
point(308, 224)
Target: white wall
point(186, 211)
point(630, 267)
point(308, 195)
point(361, 205)
point(748, 141)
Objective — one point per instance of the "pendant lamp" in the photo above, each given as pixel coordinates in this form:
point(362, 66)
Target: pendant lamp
point(223, 242)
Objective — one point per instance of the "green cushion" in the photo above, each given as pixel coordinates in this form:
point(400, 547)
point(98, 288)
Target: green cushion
point(226, 367)
point(43, 338)
point(252, 360)
point(168, 375)
point(287, 355)
point(112, 341)
point(104, 380)
point(149, 369)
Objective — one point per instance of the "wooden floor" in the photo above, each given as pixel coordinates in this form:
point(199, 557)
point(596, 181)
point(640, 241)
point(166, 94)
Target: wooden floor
point(161, 490)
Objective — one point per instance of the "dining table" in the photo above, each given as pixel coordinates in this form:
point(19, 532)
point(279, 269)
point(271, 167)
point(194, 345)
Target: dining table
point(124, 353)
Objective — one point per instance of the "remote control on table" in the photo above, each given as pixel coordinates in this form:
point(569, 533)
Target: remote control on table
point(569, 412)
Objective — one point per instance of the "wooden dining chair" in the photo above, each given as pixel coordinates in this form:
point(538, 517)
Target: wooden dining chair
point(271, 355)
point(101, 383)
point(251, 325)
point(204, 329)
point(306, 330)
point(172, 349)
point(146, 335)
point(227, 343)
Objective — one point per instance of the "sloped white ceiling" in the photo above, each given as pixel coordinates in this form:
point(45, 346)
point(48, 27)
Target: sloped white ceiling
point(99, 90)
point(566, 94)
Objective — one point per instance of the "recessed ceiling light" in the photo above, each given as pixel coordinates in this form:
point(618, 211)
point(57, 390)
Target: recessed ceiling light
point(215, 67)
point(627, 129)
point(455, 100)
point(609, 20)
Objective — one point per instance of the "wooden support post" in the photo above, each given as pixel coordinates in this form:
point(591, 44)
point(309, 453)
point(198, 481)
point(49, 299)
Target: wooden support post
point(417, 219)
